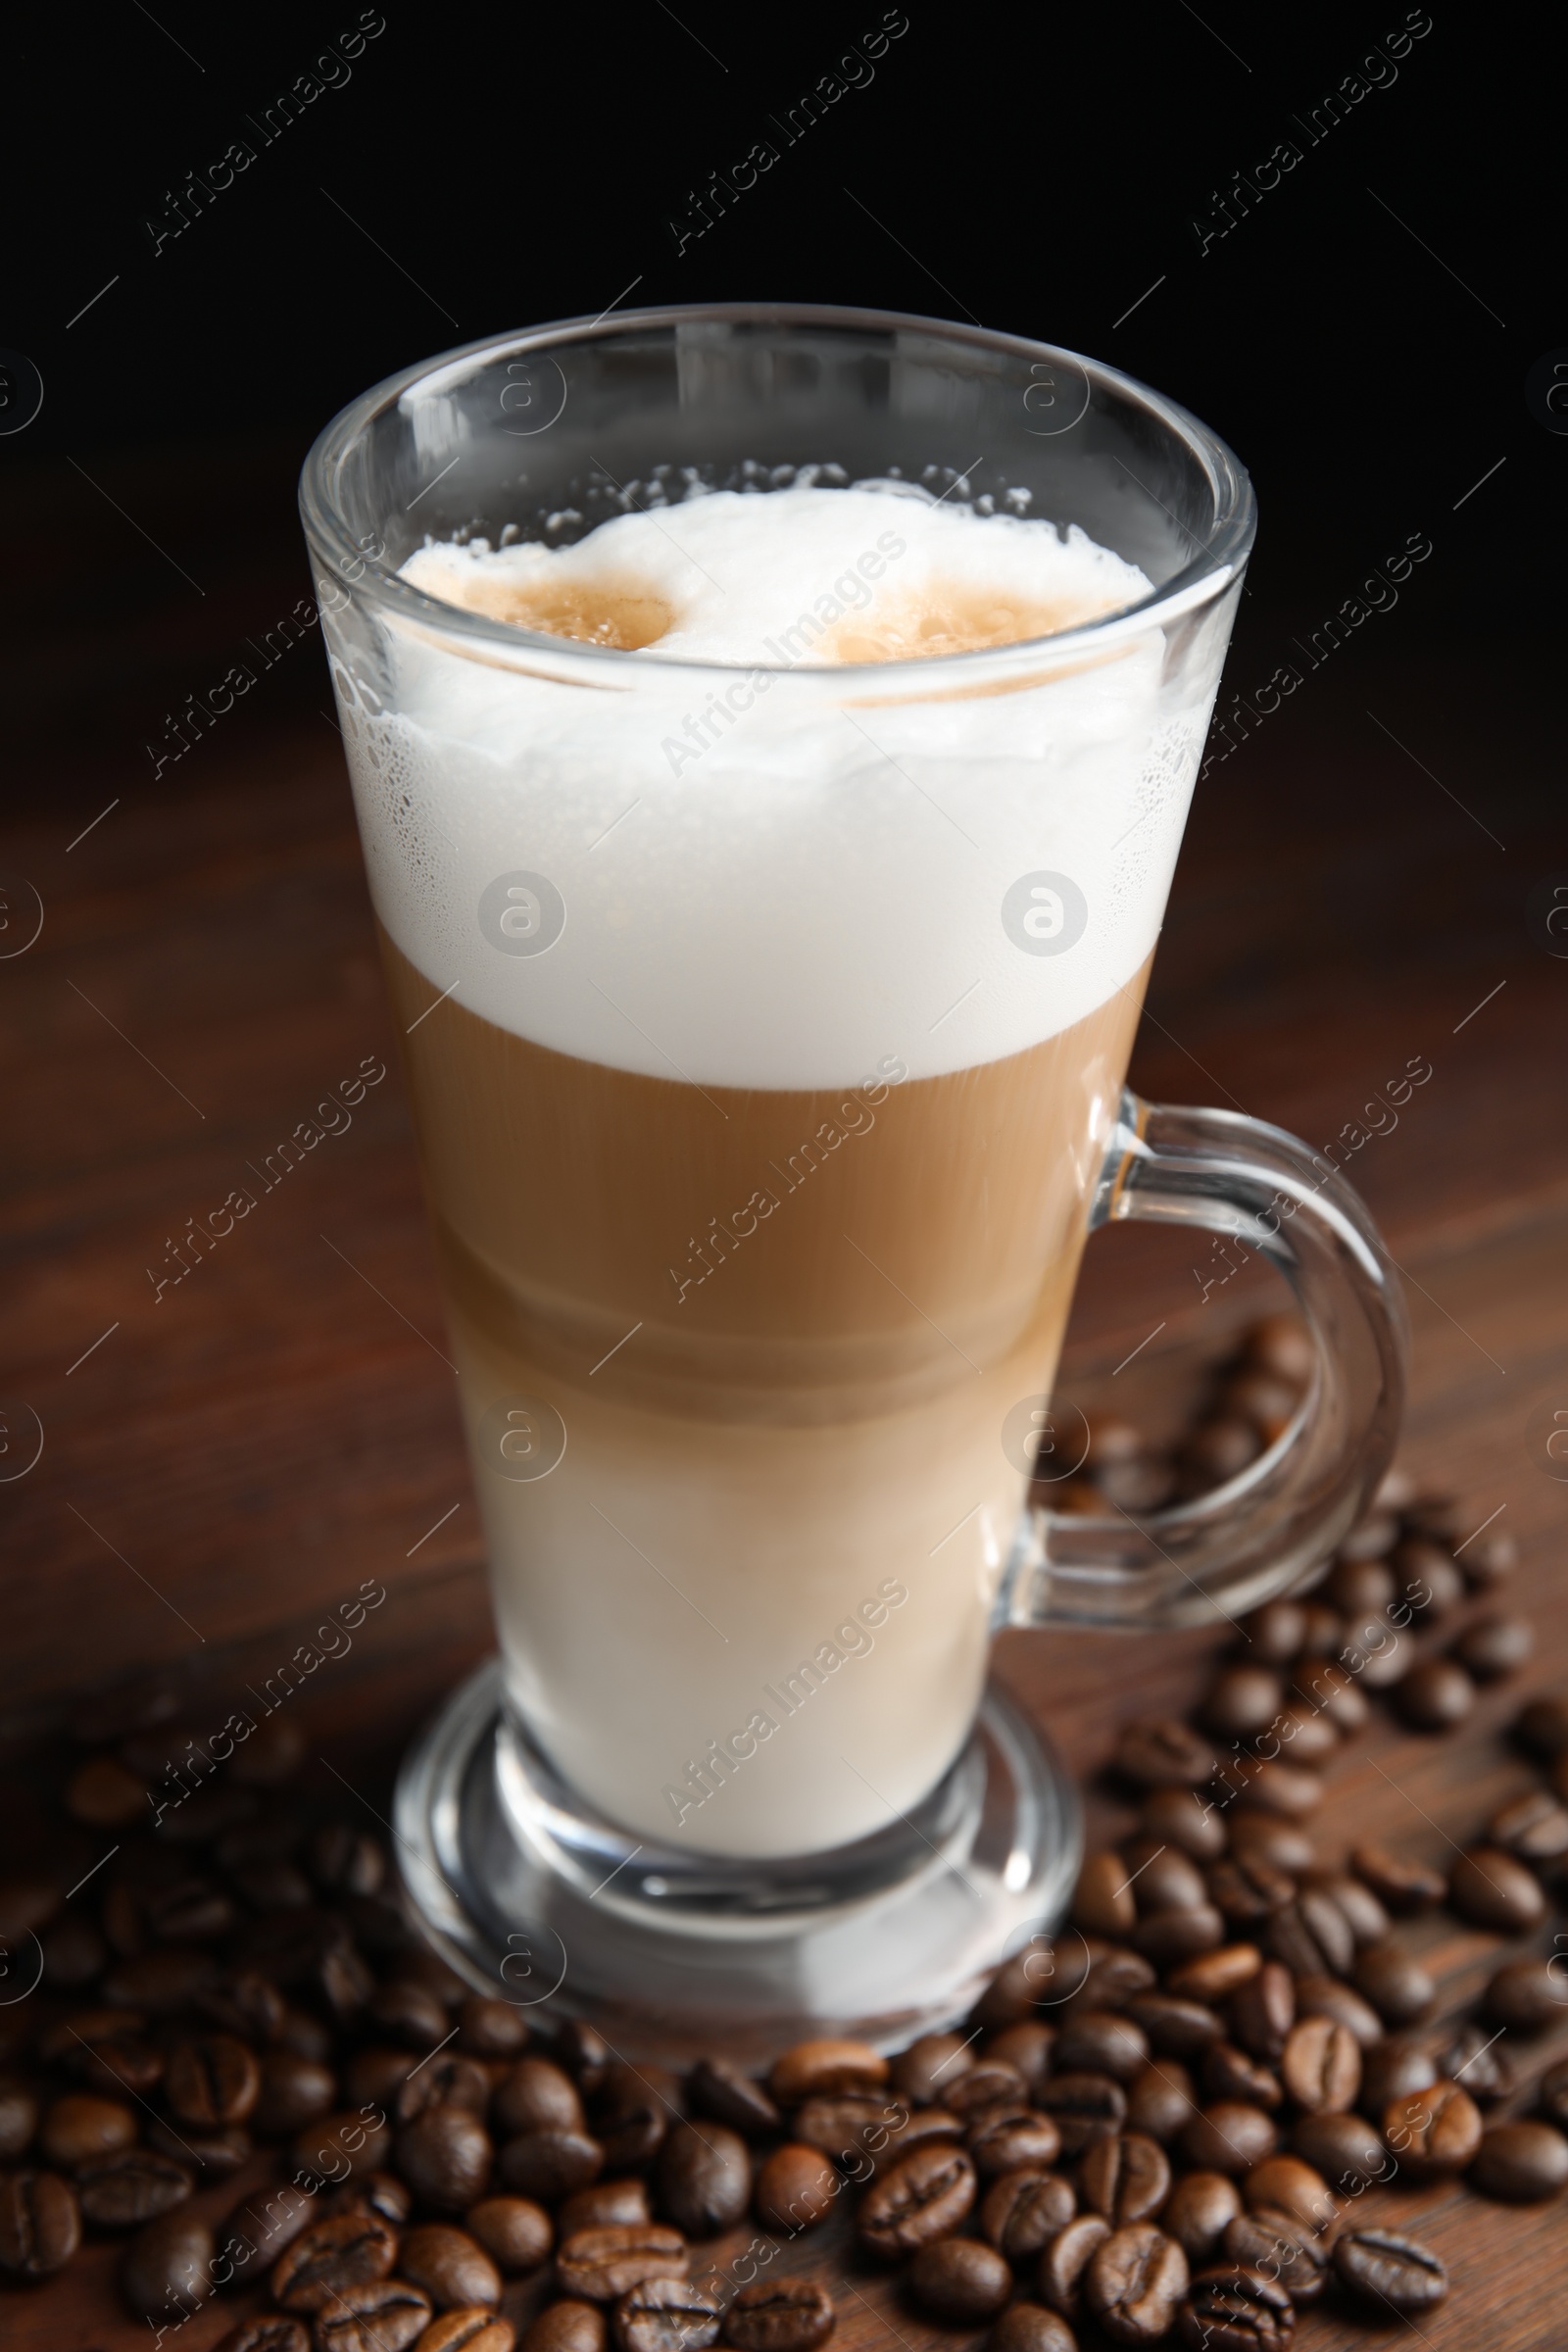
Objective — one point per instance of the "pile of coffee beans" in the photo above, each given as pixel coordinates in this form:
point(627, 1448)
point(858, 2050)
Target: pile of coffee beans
point(1168, 2124)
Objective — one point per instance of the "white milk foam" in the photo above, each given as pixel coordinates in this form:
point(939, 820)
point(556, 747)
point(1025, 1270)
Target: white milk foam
point(779, 893)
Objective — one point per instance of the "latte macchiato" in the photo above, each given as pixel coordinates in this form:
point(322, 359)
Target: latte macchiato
point(764, 1021)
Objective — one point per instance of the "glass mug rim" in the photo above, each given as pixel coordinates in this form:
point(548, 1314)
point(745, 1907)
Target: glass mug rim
point(1206, 575)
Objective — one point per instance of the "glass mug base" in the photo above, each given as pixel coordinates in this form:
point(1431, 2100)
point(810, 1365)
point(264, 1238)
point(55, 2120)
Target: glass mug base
point(531, 1896)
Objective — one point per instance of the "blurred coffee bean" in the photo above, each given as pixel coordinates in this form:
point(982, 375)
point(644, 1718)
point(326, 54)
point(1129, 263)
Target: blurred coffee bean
point(1023, 2211)
point(988, 2082)
point(704, 2177)
point(961, 2280)
point(602, 2205)
point(1322, 2066)
point(1521, 2163)
point(1175, 2028)
point(472, 2330)
point(1245, 1893)
point(1324, 1684)
point(447, 2081)
point(727, 2093)
point(1433, 2132)
point(796, 2188)
point(1242, 1701)
point(1436, 1696)
point(1116, 1976)
point(1327, 1996)
point(1133, 2283)
point(1159, 1751)
point(1403, 1886)
point(1488, 1558)
point(1362, 1587)
point(633, 2109)
point(1270, 1786)
point(1257, 1836)
point(584, 2053)
point(1065, 2260)
point(1396, 2068)
point(131, 2187)
point(920, 2124)
point(549, 2165)
point(451, 2267)
point(80, 2126)
point(1389, 2272)
point(826, 2069)
point(536, 2095)
point(293, 2093)
point(1474, 2056)
point(265, 2331)
point(599, 2266)
point(1009, 2136)
point(1395, 1983)
point(567, 2327)
point(406, 2012)
point(445, 2157)
point(168, 2265)
point(270, 1753)
point(344, 1860)
point(925, 2197)
point(1286, 2185)
point(1554, 2094)
point(1306, 1735)
point(1527, 1995)
point(934, 2059)
point(272, 1885)
point(212, 2079)
point(1228, 2137)
point(490, 2029)
point(376, 2076)
point(666, 2315)
point(1029, 2047)
point(513, 2232)
point(216, 2150)
point(1541, 1727)
point(1373, 1537)
point(1218, 1450)
point(846, 2130)
point(1263, 2011)
point(1125, 2177)
point(1534, 1828)
point(387, 2316)
point(161, 1981)
point(343, 2142)
point(1265, 1399)
point(18, 2116)
point(1278, 2246)
point(1103, 1902)
point(1171, 1936)
point(1162, 1876)
point(73, 1953)
point(1230, 2074)
point(1282, 1344)
point(1100, 2042)
point(254, 2232)
point(1355, 1900)
point(337, 2252)
point(1487, 1886)
point(781, 2315)
point(1084, 2107)
point(1201, 2208)
point(1181, 1818)
point(40, 2223)
point(1160, 2100)
point(1346, 2149)
point(1274, 1633)
point(106, 1794)
point(1213, 1975)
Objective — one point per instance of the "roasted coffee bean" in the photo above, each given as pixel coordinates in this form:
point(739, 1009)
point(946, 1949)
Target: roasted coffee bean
point(1389, 2272)
point(1304, 1734)
point(604, 2205)
point(704, 2177)
point(407, 2012)
point(1116, 1976)
point(1285, 2184)
point(1312, 1936)
point(1042, 1972)
point(1495, 1645)
point(388, 2316)
point(1490, 1887)
point(924, 2198)
point(1133, 2283)
point(1010, 2136)
point(1554, 2095)
point(1023, 2211)
point(1180, 1818)
point(131, 2187)
point(254, 2232)
point(1198, 2211)
point(1276, 2243)
point(1213, 1975)
point(1217, 1450)
point(1534, 1828)
point(1526, 1994)
point(1100, 2042)
point(292, 2093)
point(266, 2331)
point(846, 2129)
point(1103, 1902)
point(342, 2143)
point(1175, 2028)
point(1159, 1751)
point(1394, 2068)
point(1359, 1587)
point(1274, 1633)
point(1489, 1559)
point(1355, 1902)
point(1172, 1936)
point(535, 2095)
point(1257, 1836)
point(1474, 2056)
point(1436, 1696)
point(633, 2109)
point(961, 2280)
point(1377, 1653)
point(1325, 1684)
point(490, 2029)
point(445, 2157)
point(781, 2315)
point(106, 1794)
point(477, 2330)
point(1263, 2011)
point(168, 2265)
point(1230, 2074)
point(921, 2070)
point(1084, 2107)
point(118, 2062)
point(1030, 2327)
point(1322, 2066)
point(173, 1976)
point(597, 2266)
point(1228, 2137)
point(666, 2315)
point(1029, 2047)
point(1126, 2179)
point(1233, 2309)
point(1248, 1894)
point(74, 1952)
point(80, 2127)
point(796, 2187)
point(374, 2077)
point(1162, 1876)
point(1065, 2260)
point(1287, 1791)
point(1397, 1985)
point(1433, 2132)
point(551, 2165)
point(341, 2250)
point(1404, 1887)
point(731, 2096)
point(452, 2268)
point(1327, 1996)
point(447, 2081)
point(567, 2327)
point(513, 2232)
point(920, 2126)
point(18, 2117)
point(1160, 2100)
point(988, 2082)
point(584, 2053)
point(382, 2194)
point(213, 2080)
point(40, 2223)
point(1520, 2162)
point(826, 2069)
point(1346, 2150)
point(1282, 1345)
point(1242, 1700)
point(344, 1860)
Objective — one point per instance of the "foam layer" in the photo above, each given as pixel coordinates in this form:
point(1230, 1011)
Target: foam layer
point(760, 879)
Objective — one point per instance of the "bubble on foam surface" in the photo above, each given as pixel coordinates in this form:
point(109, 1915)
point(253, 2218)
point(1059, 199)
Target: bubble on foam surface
point(784, 901)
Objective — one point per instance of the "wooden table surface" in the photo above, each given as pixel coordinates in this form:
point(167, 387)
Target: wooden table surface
point(223, 1461)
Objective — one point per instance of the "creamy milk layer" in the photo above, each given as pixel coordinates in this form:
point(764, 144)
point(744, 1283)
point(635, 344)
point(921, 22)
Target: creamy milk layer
point(755, 877)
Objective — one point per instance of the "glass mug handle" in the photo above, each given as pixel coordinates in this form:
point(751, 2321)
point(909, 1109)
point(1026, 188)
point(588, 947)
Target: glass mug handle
point(1265, 1532)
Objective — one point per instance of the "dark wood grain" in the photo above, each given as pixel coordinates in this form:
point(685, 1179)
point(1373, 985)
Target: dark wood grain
point(280, 1424)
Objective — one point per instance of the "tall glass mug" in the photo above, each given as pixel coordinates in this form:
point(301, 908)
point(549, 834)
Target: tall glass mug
point(765, 1028)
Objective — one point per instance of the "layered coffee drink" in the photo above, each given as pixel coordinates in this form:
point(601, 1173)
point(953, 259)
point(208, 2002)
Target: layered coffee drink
point(766, 1006)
